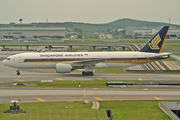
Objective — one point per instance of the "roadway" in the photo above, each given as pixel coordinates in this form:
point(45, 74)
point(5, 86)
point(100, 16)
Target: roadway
point(80, 94)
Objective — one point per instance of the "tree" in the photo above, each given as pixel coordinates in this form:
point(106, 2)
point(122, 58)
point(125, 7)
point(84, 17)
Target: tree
point(78, 30)
point(108, 30)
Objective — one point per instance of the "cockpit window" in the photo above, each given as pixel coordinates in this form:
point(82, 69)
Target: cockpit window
point(8, 59)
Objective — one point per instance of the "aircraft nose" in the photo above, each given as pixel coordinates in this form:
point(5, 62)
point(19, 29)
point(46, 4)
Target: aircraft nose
point(4, 62)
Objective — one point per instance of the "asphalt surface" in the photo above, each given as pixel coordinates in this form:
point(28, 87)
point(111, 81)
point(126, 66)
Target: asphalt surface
point(8, 74)
point(78, 94)
point(34, 94)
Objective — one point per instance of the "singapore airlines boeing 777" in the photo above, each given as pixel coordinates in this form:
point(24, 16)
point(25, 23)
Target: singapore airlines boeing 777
point(65, 62)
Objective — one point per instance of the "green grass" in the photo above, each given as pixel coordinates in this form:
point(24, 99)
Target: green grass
point(135, 110)
point(122, 110)
point(133, 41)
point(110, 70)
point(54, 111)
point(169, 59)
point(169, 46)
point(105, 70)
point(71, 84)
point(79, 48)
point(89, 84)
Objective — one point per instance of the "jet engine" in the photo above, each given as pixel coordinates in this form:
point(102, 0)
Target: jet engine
point(63, 68)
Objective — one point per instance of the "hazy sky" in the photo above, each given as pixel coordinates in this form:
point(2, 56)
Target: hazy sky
point(89, 11)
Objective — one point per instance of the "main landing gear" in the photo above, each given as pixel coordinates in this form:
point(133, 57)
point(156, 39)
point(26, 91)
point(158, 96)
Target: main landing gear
point(17, 70)
point(84, 73)
point(87, 71)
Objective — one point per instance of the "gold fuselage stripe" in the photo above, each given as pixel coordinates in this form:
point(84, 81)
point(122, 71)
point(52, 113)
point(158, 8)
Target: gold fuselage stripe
point(134, 61)
point(164, 39)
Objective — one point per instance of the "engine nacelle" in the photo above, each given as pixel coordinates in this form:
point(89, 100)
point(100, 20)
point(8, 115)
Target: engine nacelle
point(63, 68)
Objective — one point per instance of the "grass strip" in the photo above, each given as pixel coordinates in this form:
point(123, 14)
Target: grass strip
point(90, 84)
point(135, 110)
point(122, 110)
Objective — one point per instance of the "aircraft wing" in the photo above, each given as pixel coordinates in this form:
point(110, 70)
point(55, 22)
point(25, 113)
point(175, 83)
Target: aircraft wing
point(88, 62)
point(159, 55)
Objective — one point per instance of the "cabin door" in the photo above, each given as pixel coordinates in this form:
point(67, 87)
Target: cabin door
point(134, 58)
point(20, 59)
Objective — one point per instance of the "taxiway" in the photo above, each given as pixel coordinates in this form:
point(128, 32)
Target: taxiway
point(81, 94)
point(35, 94)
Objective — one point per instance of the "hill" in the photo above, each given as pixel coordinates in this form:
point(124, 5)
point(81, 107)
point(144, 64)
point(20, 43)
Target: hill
point(122, 23)
point(91, 28)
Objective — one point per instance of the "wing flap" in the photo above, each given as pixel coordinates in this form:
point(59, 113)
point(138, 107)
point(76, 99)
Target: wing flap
point(89, 62)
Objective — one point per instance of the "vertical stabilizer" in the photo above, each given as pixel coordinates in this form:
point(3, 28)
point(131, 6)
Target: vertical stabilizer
point(155, 44)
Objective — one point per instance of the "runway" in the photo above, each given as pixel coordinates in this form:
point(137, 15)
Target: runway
point(8, 74)
point(80, 94)
point(29, 76)
point(34, 94)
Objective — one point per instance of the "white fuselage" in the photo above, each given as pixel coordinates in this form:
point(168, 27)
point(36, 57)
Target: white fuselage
point(48, 60)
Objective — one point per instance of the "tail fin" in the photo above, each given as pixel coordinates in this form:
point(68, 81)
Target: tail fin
point(155, 44)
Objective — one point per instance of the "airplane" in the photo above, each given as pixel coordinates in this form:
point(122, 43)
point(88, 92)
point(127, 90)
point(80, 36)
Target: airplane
point(65, 62)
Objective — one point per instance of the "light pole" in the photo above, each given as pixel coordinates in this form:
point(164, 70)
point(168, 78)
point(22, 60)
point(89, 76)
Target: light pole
point(0, 31)
point(177, 109)
point(20, 20)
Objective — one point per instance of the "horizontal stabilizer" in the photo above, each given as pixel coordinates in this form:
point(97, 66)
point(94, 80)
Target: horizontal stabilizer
point(159, 55)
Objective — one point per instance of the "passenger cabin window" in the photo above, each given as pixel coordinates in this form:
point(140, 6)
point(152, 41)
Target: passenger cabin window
point(8, 59)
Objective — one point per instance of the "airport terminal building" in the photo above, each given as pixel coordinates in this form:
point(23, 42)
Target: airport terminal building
point(32, 32)
point(148, 31)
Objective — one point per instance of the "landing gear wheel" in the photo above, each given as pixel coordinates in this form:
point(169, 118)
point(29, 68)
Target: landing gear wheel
point(87, 73)
point(17, 70)
point(91, 73)
point(83, 73)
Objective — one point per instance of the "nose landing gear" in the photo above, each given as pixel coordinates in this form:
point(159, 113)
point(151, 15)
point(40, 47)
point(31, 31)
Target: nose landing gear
point(17, 70)
point(18, 73)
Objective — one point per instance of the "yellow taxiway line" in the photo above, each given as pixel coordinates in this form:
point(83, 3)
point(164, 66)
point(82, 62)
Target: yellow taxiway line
point(59, 78)
point(145, 89)
point(100, 78)
point(97, 98)
point(40, 99)
point(95, 88)
point(20, 80)
point(157, 98)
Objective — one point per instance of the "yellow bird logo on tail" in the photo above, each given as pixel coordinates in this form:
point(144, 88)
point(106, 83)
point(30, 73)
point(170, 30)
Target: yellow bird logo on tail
point(154, 44)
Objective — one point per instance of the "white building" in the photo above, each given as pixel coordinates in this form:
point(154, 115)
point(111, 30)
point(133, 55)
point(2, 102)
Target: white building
point(174, 33)
point(31, 32)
